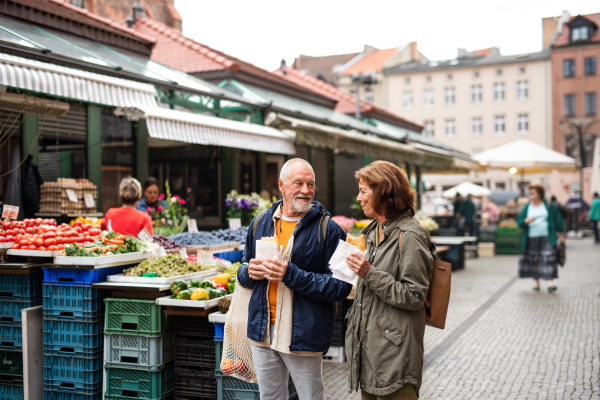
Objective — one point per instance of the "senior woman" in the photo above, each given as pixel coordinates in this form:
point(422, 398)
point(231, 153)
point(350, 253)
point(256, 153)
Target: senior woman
point(542, 223)
point(386, 324)
point(127, 220)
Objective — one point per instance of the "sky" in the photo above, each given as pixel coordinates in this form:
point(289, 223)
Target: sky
point(263, 32)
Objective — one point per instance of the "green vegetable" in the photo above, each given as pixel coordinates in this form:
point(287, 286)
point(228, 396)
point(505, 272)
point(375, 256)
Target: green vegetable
point(184, 295)
point(221, 292)
point(178, 286)
point(201, 283)
point(169, 265)
point(230, 286)
point(212, 293)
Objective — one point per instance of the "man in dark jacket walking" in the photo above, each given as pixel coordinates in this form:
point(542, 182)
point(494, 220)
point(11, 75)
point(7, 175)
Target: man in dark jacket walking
point(291, 312)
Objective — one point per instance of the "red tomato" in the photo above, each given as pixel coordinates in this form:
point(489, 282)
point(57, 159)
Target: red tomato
point(21, 224)
point(38, 221)
point(6, 225)
point(2, 239)
point(59, 240)
point(13, 224)
point(50, 242)
point(32, 247)
point(10, 238)
point(65, 226)
point(22, 231)
point(88, 238)
point(78, 229)
point(49, 234)
point(42, 248)
point(46, 221)
point(2, 232)
point(52, 221)
point(52, 248)
point(86, 227)
point(15, 247)
point(61, 246)
point(77, 223)
point(39, 242)
point(35, 229)
point(9, 232)
point(24, 242)
point(29, 229)
point(94, 232)
point(18, 238)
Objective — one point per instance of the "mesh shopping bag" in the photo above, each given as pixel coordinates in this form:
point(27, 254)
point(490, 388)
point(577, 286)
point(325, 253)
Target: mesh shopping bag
point(237, 353)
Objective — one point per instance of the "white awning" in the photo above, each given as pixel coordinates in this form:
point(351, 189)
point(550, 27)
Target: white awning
point(72, 83)
point(180, 126)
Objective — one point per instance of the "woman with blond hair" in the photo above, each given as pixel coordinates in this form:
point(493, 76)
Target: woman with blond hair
point(386, 324)
point(126, 219)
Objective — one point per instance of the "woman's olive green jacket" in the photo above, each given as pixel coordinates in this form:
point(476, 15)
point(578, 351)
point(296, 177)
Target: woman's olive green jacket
point(386, 324)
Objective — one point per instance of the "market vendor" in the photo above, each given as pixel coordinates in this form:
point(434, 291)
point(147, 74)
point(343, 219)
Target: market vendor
point(126, 220)
point(151, 199)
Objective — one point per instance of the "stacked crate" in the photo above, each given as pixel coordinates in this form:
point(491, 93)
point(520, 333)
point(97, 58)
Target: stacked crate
point(139, 351)
point(16, 293)
point(508, 240)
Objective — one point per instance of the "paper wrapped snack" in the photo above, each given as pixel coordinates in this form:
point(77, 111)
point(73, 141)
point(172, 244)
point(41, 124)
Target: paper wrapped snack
point(338, 264)
point(358, 242)
point(267, 247)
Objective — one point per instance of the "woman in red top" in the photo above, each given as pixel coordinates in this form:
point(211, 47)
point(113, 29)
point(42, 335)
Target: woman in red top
point(127, 220)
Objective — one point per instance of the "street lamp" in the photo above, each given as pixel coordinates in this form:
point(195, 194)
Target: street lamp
point(368, 78)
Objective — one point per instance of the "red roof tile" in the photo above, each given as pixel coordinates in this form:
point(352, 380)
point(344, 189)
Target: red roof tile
point(564, 38)
point(346, 100)
point(371, 62)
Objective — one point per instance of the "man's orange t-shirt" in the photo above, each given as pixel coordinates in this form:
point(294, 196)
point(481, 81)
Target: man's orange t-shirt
point(127, 221)
point(284, 228)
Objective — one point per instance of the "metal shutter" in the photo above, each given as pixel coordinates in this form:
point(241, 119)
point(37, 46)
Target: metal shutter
point(70, 127)
point(49, 166)
point(303, 152)
point(322, 177)
point(344, 185)
point(10, 124)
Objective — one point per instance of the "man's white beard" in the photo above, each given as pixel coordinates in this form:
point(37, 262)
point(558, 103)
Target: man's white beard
point(301, 206)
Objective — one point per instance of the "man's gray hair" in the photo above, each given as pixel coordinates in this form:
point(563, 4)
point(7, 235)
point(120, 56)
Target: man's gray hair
point(286, 170)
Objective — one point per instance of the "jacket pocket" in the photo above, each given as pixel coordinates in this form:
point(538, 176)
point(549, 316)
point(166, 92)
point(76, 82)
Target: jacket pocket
point(389, 330)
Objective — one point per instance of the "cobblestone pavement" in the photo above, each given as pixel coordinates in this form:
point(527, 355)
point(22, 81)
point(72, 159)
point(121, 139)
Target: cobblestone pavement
point(504, 341)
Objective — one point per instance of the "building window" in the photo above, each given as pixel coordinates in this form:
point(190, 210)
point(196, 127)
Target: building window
point(476, 151)
point(449, 77)
point(522, 90)
point(498, 72)
point(428, 98)
point(590, 66)
point(428, 131)
point(450, 129)
point(449, 96)
point(476, 75)
point(476, 94)
point(499, 125)
point(590, 103)
point(500, 185)
point(579, 33)
point(522, 70)
point(78, 3)
point(407, 100)
point(523, 124)
point(569, 109)
point(476, 127)
point(569, 68)
point(369, 94)
point(407, 81)
point(499, 92)
point(428, 79)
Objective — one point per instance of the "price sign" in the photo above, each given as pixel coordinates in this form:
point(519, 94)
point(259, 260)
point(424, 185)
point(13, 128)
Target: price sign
point(144, 236)
point(89, 200)
point(205, 257)
point(192, 226)
point(71, 195)
point(183, 253)
point(235, 223)
point(160, 252)
point(10, 212)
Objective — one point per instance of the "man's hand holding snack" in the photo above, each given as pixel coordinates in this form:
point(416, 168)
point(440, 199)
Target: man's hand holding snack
point(275, 269)
point(256, 270)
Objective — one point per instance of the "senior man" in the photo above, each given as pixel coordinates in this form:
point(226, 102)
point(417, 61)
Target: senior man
point(291, 311)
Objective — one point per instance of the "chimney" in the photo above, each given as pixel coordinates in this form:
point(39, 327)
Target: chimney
point(138, 11)
point(552, 28)
point(283, 66)
point(414, 53)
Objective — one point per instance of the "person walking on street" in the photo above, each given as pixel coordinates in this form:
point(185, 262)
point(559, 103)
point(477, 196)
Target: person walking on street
point(291, 312)
point(456, 220)
point(594, 217)
point(467, 211)
point(542, 223)
point(386, 324)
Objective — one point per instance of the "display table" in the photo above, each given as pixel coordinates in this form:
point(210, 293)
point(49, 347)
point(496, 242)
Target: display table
point(456, 254)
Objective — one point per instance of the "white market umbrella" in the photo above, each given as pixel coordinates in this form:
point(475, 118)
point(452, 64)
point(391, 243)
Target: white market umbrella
point(596, 167)
point(526, 156)
point(467, 188)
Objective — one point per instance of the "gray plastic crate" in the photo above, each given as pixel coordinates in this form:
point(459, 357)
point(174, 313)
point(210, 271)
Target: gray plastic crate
point(139, 352)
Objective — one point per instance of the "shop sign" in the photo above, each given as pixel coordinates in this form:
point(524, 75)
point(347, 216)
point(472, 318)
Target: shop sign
point(71, 195)
point(10, 212)
point(192, 225)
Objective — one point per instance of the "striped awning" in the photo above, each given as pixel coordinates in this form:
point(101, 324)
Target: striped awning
point(75, 84)
point(180, 126)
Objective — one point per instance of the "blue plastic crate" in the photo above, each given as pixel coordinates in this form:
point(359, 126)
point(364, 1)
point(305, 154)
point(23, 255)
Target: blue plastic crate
point(78, 336)
point(80, 277)
point(8, 392)
point(76, 388)
point(74, 303)
point(232, 256)
point(219, 330)
point(68, 350)
point(11, 338)
point(10, 310)
point(55, 395)
point(62, 371)
point(20, 287)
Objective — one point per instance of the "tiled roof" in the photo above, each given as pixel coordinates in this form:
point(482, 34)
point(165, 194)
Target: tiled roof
point(65, 10)
point(346, 101)
point(371, 62)
point(179, 52)
point(564, 40)
point(322, 66)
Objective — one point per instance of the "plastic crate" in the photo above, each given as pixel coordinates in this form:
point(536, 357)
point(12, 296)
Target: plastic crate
point(486, 236)
point(75, 303)
point(505, 249)
point(138, 384)
point(232, 256)
point(218, 355)
point(8, 392)
point(135, 317)
point(11, 338)
point(196, 387)
point(10, 310)
point(12, 363)
point(54, 395)
point(139, 352)
point(80, 277)
point(20, 287)
point(193, 360)
point(335, 354)
point(219, 331)
point(167, 396)
point(68, 350)
point(230, 388)
point(71, 336)
point(194, 330)
point(11, 380)
point(67, 372)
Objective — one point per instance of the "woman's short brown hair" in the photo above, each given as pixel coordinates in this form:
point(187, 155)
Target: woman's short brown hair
point(539, 189)
point(391, 189)
point(130, 190)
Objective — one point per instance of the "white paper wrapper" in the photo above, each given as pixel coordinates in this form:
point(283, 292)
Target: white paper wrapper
point(338, 264)
point(264, 250)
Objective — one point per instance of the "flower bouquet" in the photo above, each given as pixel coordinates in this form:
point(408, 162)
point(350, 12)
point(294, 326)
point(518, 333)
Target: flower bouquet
point(245, 206)
point(169, 216)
